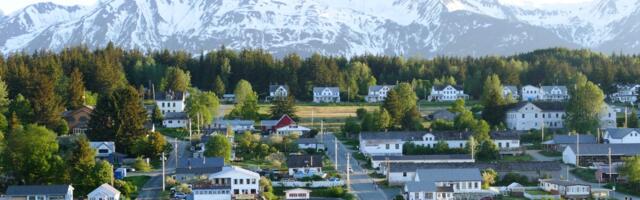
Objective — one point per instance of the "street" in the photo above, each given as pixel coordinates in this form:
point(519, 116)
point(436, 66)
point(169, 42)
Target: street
point(361, 184)
point(153, 187)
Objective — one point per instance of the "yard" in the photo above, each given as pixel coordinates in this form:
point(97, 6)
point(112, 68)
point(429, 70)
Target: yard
point(179, 133)
point(138, 181)
point(537, 192)
point(585, 174)
point(519, 158)
point(548, 153)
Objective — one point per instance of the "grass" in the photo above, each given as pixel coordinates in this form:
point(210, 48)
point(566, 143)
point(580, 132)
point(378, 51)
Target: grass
point(138, 181)
point(548, 153)
point(519, 158)
point(625, 188)
point(181, 134)
point(585, 174)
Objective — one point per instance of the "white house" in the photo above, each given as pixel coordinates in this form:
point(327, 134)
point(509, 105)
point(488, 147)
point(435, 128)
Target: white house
point(237, 125)
point(566, 189)
point(447, 93)
point(206, 190)
point(376, 161)
point(103, 148)
point(310, 143)
point(554, 93)
point(244, 184)
point(442, 184)
point(510, 91)
point(588, 154)
point(104, 192)
point(278, 91)
point(391, 143)
point(175, 120)
point(625, 93)
point(378, 93)
point(301, 166)
point(171, 101)
point(530, 93)
point(508, 141)
point(292, 129)
point(326, 95)
point(622, 135)
point(297, 194)
point(535, 115)
point(44, 192)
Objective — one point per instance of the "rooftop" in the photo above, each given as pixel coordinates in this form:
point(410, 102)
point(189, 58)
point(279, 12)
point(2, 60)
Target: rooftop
point(603, 149)
point(560, 182)
point(19, 190)
point(571, 139)
point(509, 166)
point(199, 165)
point(170, 96)
point(619, 133)
point(300, 161)
point(423, 157)
point(175, 115)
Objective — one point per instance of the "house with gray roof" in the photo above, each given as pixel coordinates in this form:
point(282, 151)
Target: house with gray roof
point(622, 135)
point(443, 114)
point(554, 93)
point(443, 183)
point(510, 91)
point(171, 101)
point(378, 93)
point(559, 142)
point(376, 161)
point(447, 93)
point(104, 192)
point(588, 154)
point(61, 192)
point(627, 93)
point(103, 148)
point(391, 143)
point(326, 95)
point(278, 91)
point(237, 125)
point(400, 173)
point(175, 120)
point(193, 168)
point(550, 114)
point(566, 189)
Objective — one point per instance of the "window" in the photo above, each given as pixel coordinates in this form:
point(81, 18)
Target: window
point(523, 116)
point(460, 145)
point(162, 105)
point(241, 181)
point(387, 146)
point(235, 182)
point(103, 151)
point(397, 146)
point(475, 185)
point(536, 115)
point(404, 174)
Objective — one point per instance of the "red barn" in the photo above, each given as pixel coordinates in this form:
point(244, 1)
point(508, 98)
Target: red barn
point(270, 126)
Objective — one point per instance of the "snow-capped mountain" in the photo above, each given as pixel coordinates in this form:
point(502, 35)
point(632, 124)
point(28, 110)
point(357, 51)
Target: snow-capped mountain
point(338, 27)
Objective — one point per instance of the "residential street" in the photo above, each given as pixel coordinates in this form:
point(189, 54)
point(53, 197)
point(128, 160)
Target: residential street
point(153, 187)
point(361, 184)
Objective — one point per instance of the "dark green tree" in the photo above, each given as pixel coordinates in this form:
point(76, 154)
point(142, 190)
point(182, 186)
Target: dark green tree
point(156, 115)
point(176, 80)
point(283, 106)
point(33, 156)
point(75, 90)
point(130, 118)
point(81, 164)
point(633, 119)
point(219, 87)
point(219, 146)
point(585, 103)
point(492, 100)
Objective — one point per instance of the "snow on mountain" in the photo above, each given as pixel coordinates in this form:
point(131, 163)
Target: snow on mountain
point(338, 27)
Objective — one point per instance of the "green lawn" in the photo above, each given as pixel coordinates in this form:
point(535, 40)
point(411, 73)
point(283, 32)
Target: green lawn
point(585, 174)
point(519, 158)
point(180, 133)
point(138, 181)
point(625, 188)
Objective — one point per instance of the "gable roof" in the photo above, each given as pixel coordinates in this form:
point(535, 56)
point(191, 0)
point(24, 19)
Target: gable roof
point(334, 90)
point(274, 122)
point(273, 88)
point(106, 187)
point(549, 88)
point(560, 182)
point(542, 105)
point(506, 135)
point(170, 96)
point(619, 133)
point(84, 108)
point(199, 165)
point(109, 144)
point(603, 149)
point(307, 141)
point(376, 88)
point(234, 122)
point(175, 115)
point(415, 135)
point(299, 161)
point(19, 190)
point(507, 166)
point(442, 87)
point(571, 139)
point(512, 88)
point(236, 169)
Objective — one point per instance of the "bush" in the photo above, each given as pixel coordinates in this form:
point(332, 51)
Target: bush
point(125, 187)
point(141, 165)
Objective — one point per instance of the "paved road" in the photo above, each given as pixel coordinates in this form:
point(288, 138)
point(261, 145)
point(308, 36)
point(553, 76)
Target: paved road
point(361, 184)
point(153, 187)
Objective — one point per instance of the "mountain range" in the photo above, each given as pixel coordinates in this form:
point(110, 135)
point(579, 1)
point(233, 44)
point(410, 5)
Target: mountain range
point(422, 28)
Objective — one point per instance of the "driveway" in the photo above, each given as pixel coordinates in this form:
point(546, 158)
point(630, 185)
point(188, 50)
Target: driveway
point(535, 154)
point(361, 184)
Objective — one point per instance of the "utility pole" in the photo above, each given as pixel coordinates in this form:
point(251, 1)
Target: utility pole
point(388, 168)
point(625, 117)
point(175, 148)
point(335, 152)
point(313, 115)
point(577, 150)
point(163, 172)
point(542, 130)
point(322, 131)
point(190, 131)
point(609, 155)
point(348, 171)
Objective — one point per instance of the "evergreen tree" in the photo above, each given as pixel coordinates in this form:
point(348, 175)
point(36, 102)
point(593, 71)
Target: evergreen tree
point(130, 118)
point(283, 106)
point(176, 80)
point(492, 100)
point(81, 165)
point(156, 115)
point(383, 119)
point(76, 90)
point(21, 107)
point(102, 125)
point(46, 103)
point(4, 97)
point(394, 106)
point(412, 120)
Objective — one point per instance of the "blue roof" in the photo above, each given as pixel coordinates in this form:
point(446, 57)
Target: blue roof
point(619, 133)
point(571, 139)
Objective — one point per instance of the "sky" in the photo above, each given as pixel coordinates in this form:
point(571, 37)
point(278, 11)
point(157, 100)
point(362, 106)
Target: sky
point(8, 6)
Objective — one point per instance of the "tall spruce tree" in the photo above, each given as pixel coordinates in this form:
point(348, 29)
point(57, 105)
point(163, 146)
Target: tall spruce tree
point(102, 125)
point(130, 118)
point(283, 106)
point(218, 87)
point(585, 103)
point(81, 163)
point(492, 100)
point(75, 90)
